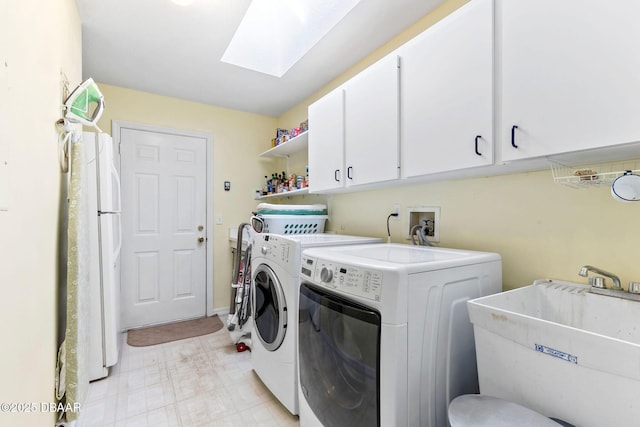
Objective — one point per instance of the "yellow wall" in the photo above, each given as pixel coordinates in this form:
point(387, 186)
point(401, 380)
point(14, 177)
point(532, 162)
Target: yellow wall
point(238, 139)
point(541, 229)
point(42, 38)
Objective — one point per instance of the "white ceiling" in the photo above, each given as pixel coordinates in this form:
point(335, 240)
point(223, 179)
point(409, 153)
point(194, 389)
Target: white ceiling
point(159, 47)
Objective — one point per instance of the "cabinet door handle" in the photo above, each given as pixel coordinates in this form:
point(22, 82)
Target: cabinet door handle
point(513, 136)
point(335, 175)
point(349, 169)
point(477, 138)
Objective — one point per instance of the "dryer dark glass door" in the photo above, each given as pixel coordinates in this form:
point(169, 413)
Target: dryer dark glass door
point(269, 308)
point(339, 358)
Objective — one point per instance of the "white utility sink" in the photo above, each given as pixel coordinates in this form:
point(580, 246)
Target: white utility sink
point(562, 351)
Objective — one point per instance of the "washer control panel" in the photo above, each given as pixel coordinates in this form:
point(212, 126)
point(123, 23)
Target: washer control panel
point(344, 278)
point(276, 249)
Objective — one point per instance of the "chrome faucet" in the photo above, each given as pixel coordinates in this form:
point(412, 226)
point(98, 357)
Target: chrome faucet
point(584, 271)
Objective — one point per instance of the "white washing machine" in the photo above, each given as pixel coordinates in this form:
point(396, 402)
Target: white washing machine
point(275, 264)
point(384, 333)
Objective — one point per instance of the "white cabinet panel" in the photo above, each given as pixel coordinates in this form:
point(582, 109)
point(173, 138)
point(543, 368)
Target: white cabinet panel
point(570, 73)
point(371, 124)
point(353, 131)
point(447, 93)
point(326, 142)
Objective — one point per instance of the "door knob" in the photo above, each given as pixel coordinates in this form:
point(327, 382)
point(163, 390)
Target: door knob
point(200, 239)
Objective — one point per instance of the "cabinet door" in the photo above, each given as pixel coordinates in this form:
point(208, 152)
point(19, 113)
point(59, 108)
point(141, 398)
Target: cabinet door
point(447, 93)
point(570, 75)
point(371, 124)
point(326, 142)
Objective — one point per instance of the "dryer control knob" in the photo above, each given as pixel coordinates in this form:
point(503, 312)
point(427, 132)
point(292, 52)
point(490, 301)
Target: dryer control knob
point(326, 275)
point(264, 250)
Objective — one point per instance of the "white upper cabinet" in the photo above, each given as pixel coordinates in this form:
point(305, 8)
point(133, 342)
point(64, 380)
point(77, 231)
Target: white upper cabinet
point(447, 93)
point(551, 77)
point(326, 142)
point(570, 75)
point(353, 131)
point(371, 124)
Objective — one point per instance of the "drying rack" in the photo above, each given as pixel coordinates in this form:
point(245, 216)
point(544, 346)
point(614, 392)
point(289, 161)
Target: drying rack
point(592, 175)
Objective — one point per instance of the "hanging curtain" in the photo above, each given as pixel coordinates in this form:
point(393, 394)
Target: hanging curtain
point(72, 380)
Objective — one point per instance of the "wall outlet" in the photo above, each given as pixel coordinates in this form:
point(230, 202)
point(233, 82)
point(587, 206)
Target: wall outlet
point(396, 210)
point(428, 215)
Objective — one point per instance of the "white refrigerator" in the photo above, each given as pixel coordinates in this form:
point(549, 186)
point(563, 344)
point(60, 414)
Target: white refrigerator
point(103, 184)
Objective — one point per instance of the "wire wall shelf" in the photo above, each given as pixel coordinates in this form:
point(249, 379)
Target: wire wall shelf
point(592, 175)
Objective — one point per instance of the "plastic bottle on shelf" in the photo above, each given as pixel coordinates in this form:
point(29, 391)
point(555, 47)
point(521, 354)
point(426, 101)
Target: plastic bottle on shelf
point(307, 177)
point(269, 185)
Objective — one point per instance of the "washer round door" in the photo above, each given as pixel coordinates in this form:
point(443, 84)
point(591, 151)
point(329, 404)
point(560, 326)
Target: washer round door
point(269, 308)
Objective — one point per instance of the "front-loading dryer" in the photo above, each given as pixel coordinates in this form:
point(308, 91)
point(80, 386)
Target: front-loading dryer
point(275, 263)
point(384, 334)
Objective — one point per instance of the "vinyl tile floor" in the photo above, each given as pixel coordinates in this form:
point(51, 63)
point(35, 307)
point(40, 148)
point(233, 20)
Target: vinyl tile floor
point(196, 382)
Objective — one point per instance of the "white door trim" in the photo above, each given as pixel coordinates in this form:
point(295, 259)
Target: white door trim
point(117, 125)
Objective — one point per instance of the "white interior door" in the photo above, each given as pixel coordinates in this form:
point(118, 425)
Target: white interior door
point(164, 216)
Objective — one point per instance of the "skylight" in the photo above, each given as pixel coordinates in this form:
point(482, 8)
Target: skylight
point(275, 34)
